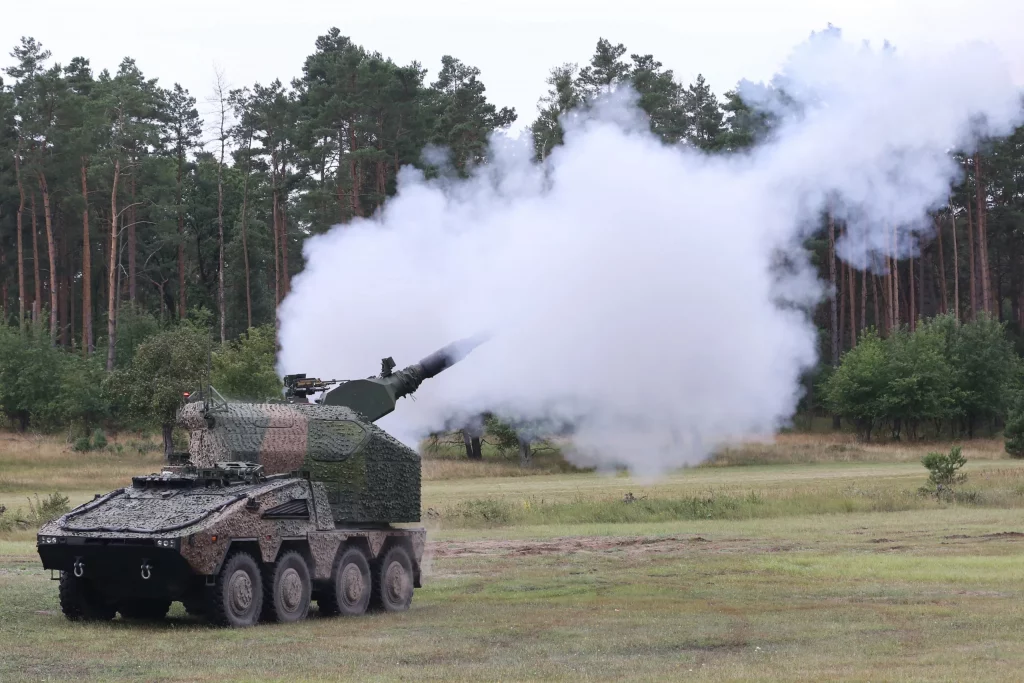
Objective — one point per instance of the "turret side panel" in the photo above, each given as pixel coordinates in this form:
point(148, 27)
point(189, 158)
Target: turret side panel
point(378, 482)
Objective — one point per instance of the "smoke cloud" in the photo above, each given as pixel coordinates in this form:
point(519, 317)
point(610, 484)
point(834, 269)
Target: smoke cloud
point(650, 296)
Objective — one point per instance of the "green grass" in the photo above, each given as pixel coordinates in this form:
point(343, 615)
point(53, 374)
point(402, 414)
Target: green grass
point(818, 567)
point(857, 596)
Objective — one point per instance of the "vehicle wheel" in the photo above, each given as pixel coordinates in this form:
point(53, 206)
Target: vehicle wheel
point(144, 610)
point(236, 598)
point(392, 585)
point(287, 589)
point(80, 601)
point(350, 588)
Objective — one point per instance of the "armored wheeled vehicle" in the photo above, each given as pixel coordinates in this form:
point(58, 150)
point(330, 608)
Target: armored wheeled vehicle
point(275, 505)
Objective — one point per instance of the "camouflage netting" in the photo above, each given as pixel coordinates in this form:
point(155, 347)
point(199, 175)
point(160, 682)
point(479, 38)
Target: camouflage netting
point(369, 476)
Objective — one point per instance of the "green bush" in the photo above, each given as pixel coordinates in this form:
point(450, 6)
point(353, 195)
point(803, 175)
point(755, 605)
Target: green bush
point(39, 512)
point(50, 508)
point(1014, 431)
point(30, 377)
point(244, 369)
point(99, 439)
point(945, 372)
point(944, 472)
point(165, 366)
point(82, 444)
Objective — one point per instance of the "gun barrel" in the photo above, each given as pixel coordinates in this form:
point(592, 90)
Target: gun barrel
point(445, 357)
point(376, 397)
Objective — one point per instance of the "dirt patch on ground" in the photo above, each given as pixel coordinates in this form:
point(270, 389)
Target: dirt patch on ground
point(987, 537)
point(628, 545)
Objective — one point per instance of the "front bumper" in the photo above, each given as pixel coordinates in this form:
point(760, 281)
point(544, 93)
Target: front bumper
point(127, 567)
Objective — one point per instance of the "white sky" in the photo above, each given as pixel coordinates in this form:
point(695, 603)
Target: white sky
point(514, 44)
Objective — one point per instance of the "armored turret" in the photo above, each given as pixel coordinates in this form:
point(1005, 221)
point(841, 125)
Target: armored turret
point(369, 476)
point(376, 397)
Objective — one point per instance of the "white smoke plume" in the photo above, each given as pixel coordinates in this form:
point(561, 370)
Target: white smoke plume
point(633, 289)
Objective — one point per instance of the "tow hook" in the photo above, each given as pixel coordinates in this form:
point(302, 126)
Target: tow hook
point(147, 570)
point(79, 568)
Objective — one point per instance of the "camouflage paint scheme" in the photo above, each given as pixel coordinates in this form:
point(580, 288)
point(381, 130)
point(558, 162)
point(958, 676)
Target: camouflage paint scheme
point(228, 514)
point(369, 476)
point(263, 478)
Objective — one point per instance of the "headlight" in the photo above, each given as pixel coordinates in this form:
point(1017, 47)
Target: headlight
point(46, 540)
point(167, 542)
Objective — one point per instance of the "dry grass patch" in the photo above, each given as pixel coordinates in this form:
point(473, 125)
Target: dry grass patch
point(42, 464)
point(795, 448)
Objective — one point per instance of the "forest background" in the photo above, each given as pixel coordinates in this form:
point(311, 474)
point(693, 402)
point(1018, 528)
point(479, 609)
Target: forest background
point(141, 241)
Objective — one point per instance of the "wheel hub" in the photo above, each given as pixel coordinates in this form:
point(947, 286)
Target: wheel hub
point(291, 589)
point(395, 582)
point(240, 592)
point(352, 583)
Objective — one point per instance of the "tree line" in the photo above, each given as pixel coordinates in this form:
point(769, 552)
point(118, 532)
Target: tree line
point(115, 192)
point(124, 211)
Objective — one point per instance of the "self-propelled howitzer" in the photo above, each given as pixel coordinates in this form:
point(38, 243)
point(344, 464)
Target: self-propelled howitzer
point(275, 505)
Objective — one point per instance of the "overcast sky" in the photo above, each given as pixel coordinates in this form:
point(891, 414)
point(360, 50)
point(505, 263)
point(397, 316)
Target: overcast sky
point(513, 43)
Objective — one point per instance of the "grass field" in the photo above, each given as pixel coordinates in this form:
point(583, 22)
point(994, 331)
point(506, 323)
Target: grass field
point(813, 558)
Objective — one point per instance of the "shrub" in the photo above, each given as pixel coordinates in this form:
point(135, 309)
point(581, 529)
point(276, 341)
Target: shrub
point(945, 372)
point(51, 507)
point(99, 439)
point(1014, 431)
point(244, 369)
point(82, 444)
point(944, 471)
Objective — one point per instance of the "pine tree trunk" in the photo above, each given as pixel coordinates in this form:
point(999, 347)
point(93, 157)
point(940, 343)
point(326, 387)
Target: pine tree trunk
point(132, 275)
point(843, 296)
point(853, 305)
point(912, 312)
point(245, 236)
point(956, 265)
point(220, 239)
point(87, 341)
point(62, 300)
point(277, 241)
point(112, 271)
point(381, 163)
point(864, 299)
point(895, 282)
point(182, 285)
point(37, 303)
point(353, 165)
point(51, 253)
point(920, 285)
point(69, 287)
point(874, 293)
point(986, 275)
point(285, 279)
point(22, 292)
point(942, 267)
point(970, 241)
point(834, 318)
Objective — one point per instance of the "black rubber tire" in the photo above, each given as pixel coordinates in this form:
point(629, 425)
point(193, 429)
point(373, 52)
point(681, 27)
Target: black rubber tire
point(351, 585)
point(392, 581)
point(80, 601)
point(287, 589)
point(144, 610)
point(236, 597)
